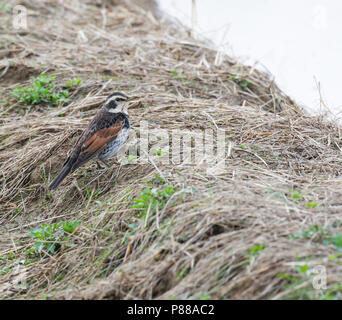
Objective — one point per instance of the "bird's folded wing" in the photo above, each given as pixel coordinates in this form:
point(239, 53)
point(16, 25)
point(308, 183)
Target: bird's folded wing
point(95, 142)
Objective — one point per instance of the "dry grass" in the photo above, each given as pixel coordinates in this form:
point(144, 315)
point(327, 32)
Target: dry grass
point(222, 236)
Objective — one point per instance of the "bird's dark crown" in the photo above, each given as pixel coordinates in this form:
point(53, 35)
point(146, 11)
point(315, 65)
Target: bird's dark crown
point(117, 96)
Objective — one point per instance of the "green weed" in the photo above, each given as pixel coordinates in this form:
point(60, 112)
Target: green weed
point(51, 237)
point(336, 240)
point(151, 198)
point(159, 152)
point(311, 204)
point(243, 83)
point(295, 195)
point(255, 249)
point(73, 83)
point(183, 273)
point(43, 91)
point(308, 233)
point(287, 277)
point(333, 293)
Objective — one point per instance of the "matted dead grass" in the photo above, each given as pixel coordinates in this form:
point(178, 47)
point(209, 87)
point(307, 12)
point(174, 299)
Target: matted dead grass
point(255, 230)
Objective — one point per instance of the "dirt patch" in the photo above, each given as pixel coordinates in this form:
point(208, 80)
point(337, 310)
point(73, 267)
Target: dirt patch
point(16, 73)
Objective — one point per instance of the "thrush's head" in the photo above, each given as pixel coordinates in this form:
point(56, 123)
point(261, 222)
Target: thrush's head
point(116, 102)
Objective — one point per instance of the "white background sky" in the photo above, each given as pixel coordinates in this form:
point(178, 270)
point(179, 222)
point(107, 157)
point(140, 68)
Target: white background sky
point(296, 40)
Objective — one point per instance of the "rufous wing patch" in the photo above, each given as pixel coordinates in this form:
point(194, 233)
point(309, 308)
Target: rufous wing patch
point(101, 138)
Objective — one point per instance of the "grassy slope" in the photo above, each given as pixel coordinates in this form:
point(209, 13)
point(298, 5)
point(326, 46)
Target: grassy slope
point(253, 230)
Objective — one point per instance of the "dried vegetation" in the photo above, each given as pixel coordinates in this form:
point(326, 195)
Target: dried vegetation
point(253, 230)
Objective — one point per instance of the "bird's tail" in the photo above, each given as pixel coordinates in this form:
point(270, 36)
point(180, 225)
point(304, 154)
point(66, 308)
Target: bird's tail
point(65, 171)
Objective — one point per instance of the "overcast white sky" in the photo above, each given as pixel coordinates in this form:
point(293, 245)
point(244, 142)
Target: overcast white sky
point(295, 40)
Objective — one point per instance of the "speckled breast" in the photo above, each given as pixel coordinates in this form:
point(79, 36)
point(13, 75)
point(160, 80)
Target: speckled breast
point(113, 147)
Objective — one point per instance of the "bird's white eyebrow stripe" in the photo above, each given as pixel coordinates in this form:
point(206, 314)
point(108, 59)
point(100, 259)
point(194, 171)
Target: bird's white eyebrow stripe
point(115, 97)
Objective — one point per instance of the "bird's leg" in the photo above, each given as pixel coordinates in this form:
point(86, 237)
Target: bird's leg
point(105, 163)
point(99, 167)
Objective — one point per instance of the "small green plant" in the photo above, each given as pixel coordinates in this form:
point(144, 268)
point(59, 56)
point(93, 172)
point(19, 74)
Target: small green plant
point(92, 195)
point(311, 204)
point(333, 293)
point(183, 273)
point(70, 226)
point(128, 160)
point(5, 270)
point(302, 268)
point(308, 233)
point(10, 256)
point(287, 277)
point(74, 82)
point(158, 152)
point(59, 277)
point(51, 237)
point(335, 256)
point(336, 240)
point(295, 195)
point(292, 283)
point(44, 91)
point(255, 249)
point(243, 83)
point(151, 198)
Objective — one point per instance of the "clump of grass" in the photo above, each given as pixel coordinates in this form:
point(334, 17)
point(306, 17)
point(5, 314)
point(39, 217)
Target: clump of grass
point(51, 237)
point(153, 198)
point(44, 91)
